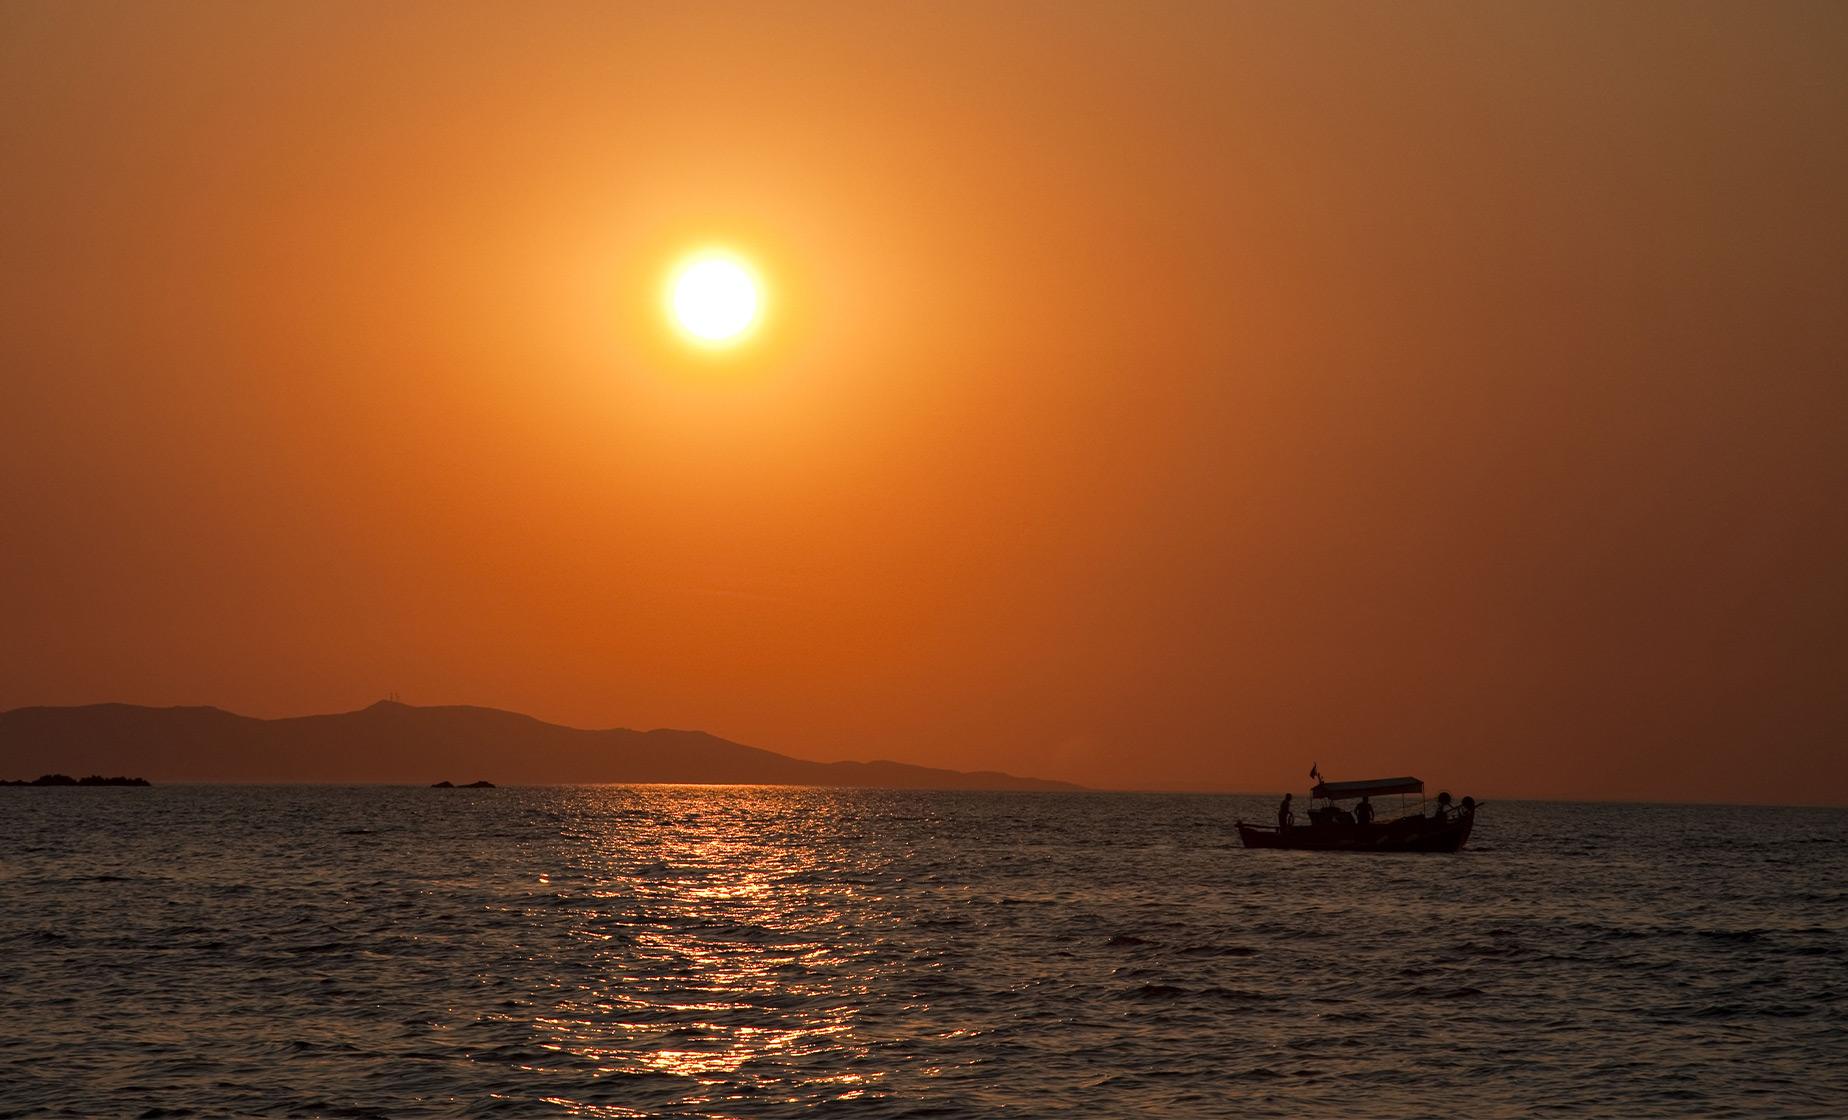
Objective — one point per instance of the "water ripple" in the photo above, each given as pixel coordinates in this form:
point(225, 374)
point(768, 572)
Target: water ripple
point(755, 952)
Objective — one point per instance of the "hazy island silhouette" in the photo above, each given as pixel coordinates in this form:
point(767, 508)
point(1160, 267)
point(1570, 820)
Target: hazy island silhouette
point(391, 742)
point(60, 780)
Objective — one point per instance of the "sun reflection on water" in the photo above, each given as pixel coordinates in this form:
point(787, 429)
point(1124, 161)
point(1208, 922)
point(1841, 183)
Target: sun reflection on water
point(712, 958)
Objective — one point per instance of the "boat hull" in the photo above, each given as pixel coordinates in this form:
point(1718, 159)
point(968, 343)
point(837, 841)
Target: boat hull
point(1408, 834)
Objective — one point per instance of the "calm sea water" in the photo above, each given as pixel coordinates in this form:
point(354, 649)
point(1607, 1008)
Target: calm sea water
point(756, 952)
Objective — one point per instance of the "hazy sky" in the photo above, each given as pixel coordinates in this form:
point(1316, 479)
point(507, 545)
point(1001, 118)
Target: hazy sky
point(1158, 395)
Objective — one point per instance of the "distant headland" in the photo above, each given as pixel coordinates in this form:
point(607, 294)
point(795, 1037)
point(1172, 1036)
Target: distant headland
point(391, 742)
point(67, 780)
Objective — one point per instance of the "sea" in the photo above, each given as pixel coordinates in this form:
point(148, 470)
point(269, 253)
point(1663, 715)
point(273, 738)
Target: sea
point(679, 951)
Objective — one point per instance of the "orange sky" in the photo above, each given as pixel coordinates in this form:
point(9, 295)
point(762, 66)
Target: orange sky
point(1159, 395)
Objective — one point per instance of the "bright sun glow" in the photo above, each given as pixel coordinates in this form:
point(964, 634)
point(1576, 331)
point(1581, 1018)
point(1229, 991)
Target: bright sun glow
point(713, 298)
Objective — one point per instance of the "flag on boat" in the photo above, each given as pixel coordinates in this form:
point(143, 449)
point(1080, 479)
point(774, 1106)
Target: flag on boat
point(1314, 774)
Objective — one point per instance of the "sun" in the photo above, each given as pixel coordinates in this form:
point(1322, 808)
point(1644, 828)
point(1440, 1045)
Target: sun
point(714, 298)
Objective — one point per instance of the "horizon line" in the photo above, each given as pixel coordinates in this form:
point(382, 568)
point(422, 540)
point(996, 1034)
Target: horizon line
point(391, 700)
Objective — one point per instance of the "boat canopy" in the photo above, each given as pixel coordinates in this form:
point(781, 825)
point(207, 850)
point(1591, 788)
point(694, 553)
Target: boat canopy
point(1372, 787)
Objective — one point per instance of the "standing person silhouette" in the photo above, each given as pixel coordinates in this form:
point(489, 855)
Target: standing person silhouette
point(1363, 812)
point(1285, 817)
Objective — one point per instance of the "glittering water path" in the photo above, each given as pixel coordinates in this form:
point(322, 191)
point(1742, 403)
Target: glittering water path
point(679, 951)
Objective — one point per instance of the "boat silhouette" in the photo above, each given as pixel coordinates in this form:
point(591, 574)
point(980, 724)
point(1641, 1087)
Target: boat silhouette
point(1332, 828)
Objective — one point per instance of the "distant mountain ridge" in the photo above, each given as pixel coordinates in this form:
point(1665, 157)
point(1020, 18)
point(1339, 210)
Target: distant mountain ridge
point(398, 743)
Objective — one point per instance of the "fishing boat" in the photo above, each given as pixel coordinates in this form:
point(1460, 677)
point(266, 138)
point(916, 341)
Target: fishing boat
point(1332, 828)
